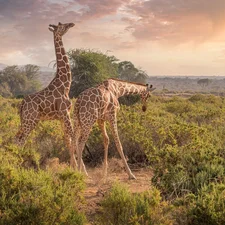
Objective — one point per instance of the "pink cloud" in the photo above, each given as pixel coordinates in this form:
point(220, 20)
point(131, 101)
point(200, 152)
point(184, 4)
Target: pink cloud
point(96, 8)
point(25, 22)
point(177, 21)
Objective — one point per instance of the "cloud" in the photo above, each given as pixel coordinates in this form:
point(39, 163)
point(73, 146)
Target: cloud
point(24, 23)
point(177, 21)
point(96, 8)
point(147, 32)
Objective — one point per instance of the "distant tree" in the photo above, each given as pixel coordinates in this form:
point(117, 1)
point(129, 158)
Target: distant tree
point(31, 71)
point(4, 89)
point(127, 71)
point(90, 68)
point(204, 82)
point(16, 81)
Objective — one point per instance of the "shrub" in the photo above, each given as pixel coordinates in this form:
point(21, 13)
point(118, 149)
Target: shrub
point(187, 165)
point(208, 207)
point(179, 107)
point(43, 197)
point(121, 207)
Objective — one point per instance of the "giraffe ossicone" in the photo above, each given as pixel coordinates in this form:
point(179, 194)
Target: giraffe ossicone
point(51, 103)
point(101, 104)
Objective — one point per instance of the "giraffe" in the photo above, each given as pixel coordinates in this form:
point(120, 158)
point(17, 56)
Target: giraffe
point(51, 103)
point(101, 104)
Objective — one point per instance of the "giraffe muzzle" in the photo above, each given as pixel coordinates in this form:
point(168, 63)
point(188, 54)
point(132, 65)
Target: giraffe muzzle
point(71, 24)
point(52, 27)
point(144, 108)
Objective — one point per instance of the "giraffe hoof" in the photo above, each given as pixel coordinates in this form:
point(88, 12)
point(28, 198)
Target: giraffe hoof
point(132, 177)
point(103, 180)
point(86, 175)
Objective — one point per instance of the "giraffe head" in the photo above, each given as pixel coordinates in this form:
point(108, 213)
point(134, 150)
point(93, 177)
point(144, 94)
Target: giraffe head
point(145, 95)
point(60, 29)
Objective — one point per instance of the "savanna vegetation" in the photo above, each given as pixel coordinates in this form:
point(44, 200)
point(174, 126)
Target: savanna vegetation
point(180, 139)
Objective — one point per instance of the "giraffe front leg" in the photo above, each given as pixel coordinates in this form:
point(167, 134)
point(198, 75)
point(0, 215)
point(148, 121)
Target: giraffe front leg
point(113, 126)
point(20, 137)
point(101, 124)
point(25, 129)
point(73, 161)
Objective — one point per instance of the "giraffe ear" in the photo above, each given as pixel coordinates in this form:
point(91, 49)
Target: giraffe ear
point(150, 87)
point(106, 84)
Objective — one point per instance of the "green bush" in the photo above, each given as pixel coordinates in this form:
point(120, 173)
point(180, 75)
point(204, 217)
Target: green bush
point(35, 196)
point(182, 140)
point(208, 207)
point(121, 207)
point(39, 197)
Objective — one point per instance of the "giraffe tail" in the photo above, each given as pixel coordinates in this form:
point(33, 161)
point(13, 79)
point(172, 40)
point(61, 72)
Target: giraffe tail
point(76, 120)
point(76, 129)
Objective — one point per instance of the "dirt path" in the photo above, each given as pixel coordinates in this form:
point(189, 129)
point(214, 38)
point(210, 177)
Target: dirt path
point(96, 189)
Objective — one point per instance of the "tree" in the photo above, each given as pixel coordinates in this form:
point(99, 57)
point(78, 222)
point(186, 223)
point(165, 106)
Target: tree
point(90, 68)
point(127, 71)
point(15, 81)
point(4, 89)
point(31, 71)
point(204, 82)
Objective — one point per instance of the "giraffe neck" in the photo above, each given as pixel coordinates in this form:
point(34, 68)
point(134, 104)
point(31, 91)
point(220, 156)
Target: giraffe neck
point(61, 57)
point(63, 68)
point(122, 88)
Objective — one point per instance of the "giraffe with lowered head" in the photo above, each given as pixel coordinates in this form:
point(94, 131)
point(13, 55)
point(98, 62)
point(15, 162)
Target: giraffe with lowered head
point(101, 104)
point(51, 103)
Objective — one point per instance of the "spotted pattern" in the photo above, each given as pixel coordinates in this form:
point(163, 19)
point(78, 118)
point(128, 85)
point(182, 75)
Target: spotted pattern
point(51, 103)
point(101, 104)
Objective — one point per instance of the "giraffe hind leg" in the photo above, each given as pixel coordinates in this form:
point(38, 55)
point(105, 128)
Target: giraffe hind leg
point(113, 126)
point(101, 124)
point(68, 133)
point(82, 139)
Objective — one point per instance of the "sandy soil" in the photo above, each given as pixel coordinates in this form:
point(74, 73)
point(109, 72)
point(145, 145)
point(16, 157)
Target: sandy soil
point(96, 188)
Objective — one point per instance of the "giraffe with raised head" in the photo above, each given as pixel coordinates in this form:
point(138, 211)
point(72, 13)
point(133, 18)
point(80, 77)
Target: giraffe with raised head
point(101, 104)
point(51, 103)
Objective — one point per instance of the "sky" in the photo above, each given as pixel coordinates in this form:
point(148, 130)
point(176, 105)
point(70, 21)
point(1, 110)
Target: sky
point(161, 37)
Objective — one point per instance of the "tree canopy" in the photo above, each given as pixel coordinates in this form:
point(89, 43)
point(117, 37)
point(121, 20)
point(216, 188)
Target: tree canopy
point(127, 71)
point(90, 68)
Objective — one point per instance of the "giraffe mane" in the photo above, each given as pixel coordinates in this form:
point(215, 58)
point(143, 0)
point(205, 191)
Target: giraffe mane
point(124, 81)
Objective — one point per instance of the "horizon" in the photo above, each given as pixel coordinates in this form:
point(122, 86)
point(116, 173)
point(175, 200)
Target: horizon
point(159, 36)
point(53, 70)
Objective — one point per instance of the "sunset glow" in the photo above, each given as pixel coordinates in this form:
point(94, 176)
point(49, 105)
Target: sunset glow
point(163, 37)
